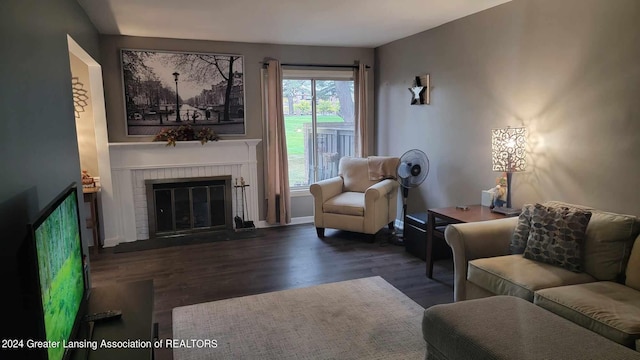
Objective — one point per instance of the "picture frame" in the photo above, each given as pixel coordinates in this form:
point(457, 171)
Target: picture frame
point(165, 90)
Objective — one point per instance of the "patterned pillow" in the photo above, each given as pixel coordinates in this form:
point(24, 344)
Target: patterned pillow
point(521, 232)
point(556, 236)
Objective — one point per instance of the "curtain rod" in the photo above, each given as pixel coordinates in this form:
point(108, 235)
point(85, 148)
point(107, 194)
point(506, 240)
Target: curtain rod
point(320, 65)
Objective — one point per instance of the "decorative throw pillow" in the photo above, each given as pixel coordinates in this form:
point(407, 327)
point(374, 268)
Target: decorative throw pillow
point(521, 232)
point(556, 236)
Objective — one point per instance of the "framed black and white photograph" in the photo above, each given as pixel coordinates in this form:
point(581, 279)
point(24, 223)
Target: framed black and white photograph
point(170, 89)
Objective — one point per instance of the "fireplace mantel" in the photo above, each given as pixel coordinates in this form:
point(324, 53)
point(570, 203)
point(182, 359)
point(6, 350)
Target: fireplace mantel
point(134, 162)
point(185, 153)
point(151, 144)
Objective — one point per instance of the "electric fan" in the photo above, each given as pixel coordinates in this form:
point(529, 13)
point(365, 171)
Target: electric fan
point(412, 171)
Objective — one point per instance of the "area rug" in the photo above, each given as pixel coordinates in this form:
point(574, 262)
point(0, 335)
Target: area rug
point(191, 239)
point(356, 319)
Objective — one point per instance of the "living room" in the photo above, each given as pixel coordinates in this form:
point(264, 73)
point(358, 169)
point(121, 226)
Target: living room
point(566, 70)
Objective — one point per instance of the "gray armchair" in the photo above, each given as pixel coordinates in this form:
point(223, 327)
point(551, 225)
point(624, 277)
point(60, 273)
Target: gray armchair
point(352, 201)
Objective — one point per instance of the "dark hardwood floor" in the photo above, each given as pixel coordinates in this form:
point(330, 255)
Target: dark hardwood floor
point(284, 258)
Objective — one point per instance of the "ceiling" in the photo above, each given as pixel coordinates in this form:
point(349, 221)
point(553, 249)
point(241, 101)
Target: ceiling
point(355, 23)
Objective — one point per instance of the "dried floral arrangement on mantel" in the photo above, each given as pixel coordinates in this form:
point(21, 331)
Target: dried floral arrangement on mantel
point(186, 133)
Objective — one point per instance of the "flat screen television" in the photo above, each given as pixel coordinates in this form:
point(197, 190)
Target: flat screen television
point(58, 265)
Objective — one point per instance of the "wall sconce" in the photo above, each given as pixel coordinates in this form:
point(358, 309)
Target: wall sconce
point(508, 154)
point(421, 90)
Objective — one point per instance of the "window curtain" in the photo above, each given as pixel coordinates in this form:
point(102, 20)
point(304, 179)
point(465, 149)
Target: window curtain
point(360, 87)
point(277, 190)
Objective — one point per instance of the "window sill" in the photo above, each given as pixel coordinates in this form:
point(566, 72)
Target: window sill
point(300, 192)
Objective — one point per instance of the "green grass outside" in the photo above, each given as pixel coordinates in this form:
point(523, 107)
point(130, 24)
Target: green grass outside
point(294, 128)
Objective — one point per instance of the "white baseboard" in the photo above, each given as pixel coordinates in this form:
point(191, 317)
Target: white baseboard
point(309, 220)
point(112, 242)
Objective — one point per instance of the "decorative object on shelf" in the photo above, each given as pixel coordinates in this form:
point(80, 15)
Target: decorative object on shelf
point(508, 154)
point(241, 223)
point(421, 90)
point(186, 133)
point(87, 180)
point(175, 88)
point(80, 97)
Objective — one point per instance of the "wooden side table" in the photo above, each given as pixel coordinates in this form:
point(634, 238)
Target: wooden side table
point(91, 197)
point(440, 217)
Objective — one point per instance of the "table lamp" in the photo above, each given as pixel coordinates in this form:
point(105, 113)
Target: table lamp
point(508, 154)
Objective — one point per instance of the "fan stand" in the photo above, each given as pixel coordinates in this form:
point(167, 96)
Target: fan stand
point(412, 170)
point(398, 239)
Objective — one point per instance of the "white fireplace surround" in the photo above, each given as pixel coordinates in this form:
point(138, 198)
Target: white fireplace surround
point(133, 163)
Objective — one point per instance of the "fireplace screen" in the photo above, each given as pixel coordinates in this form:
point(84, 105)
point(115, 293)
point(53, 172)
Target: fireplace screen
point(178, 206)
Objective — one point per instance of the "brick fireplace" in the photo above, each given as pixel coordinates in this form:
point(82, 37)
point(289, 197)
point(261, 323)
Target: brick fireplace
point(134, 164)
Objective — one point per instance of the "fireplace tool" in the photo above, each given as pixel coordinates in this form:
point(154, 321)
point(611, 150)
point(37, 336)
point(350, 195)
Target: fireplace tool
point(241, 223)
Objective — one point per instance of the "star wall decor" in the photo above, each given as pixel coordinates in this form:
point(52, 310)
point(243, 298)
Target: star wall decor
point(421, 90)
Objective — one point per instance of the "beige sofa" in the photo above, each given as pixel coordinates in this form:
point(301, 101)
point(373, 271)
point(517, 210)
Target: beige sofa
point(360, 199)
point(604, 297)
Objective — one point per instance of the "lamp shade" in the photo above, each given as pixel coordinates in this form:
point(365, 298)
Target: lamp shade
point(508, 149)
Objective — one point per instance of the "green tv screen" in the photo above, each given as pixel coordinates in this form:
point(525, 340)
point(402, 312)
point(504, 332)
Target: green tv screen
point(60, 271)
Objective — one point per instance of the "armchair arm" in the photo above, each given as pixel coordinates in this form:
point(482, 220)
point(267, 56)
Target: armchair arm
point(377, 205)
point(379, 190)
point(326, 189)
point(470, 241)
point(322, 191)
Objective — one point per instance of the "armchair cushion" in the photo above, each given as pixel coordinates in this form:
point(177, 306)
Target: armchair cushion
point(346, 203)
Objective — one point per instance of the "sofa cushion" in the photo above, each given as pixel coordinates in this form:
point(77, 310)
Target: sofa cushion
point(562, 204)
point(346, 203)
point(556, 236)
point(517, 276)
point(633, 267)
point(608, 241)
point(521, 232)
point(608, 244)
point(607, 308)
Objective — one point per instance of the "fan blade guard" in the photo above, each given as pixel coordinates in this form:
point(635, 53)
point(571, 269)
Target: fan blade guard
point(413, 168)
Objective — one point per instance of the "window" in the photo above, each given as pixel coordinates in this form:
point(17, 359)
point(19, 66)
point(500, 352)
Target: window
point(319, 123)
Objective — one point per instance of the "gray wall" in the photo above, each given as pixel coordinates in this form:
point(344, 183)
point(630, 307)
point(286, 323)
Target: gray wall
point(38, 133)
point(567, 70)
point(253, 54)
point(38, 145)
